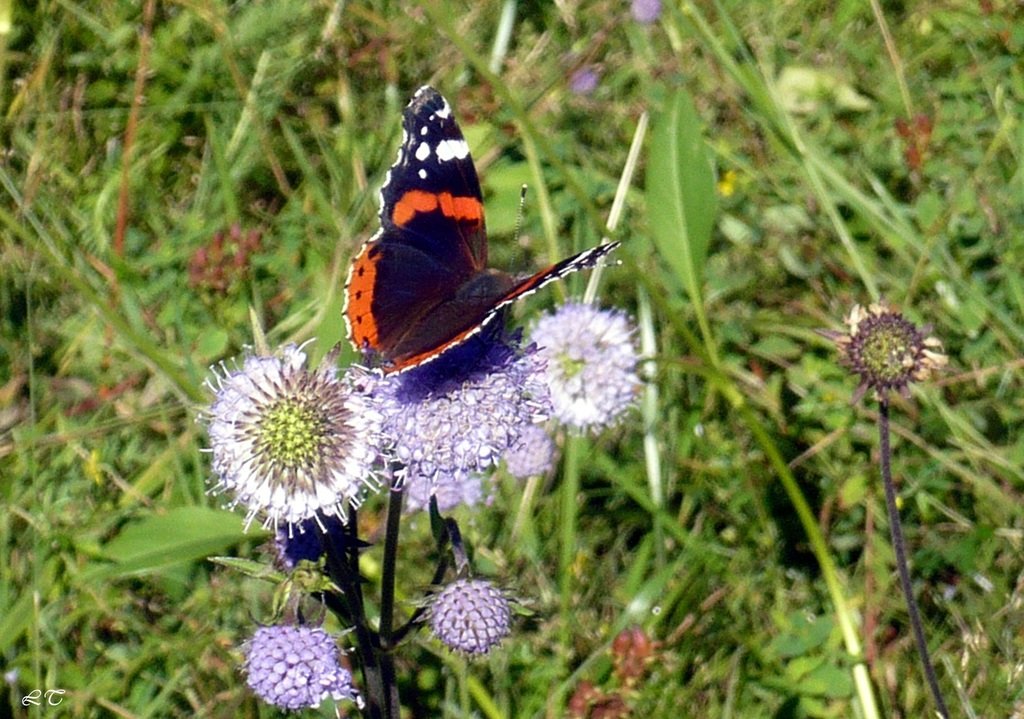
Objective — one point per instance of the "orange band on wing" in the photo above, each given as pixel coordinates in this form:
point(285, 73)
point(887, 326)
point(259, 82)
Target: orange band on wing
point(362, 278)
point(416, 201)
point(461, 208)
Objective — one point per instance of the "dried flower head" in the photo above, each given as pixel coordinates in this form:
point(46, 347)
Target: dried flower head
point(633, 651)
point(218, 265)
point(287, 441)
point(296, 667)
point(886, 350)
point(471, 616)
point(590, 363)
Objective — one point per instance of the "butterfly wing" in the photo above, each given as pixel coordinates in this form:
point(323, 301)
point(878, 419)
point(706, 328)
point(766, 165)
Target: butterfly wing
point(421, 284)
point(481, 301)
point(579, 261)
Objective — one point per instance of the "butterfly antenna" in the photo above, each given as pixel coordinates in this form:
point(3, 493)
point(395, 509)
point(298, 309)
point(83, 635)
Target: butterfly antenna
point(519, 215)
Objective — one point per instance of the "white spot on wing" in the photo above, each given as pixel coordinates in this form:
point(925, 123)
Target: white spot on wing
point(422, 173)
point(423, 151)
point(452, 150)
point(424, 130)
point(445, 112)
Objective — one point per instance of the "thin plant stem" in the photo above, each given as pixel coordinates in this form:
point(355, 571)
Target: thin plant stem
point(352, 533)
point(387, 588)
point(414, 621)
point(462, 675)
point(128, 146)
point(385, 657)
point(392, 704)
point(899, 547)
point(454, 535)
point(894, 57)
point(567, 538)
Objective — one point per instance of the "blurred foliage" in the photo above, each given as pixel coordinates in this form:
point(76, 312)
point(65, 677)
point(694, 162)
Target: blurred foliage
point(270, 125)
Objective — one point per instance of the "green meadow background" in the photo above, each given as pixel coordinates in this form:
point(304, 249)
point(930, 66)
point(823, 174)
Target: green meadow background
point(800, 157)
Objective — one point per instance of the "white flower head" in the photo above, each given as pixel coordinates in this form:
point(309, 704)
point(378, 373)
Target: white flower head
point(289, 442)
point(590, 363)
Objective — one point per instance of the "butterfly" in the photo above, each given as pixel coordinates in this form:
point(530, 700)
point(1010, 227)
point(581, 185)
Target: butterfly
point(421, 285)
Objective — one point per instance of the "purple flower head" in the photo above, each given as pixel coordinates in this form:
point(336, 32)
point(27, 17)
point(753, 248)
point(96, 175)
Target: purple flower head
point(448, 424)
point(533, 455)
point(645, 11)
point(288, 442)
point(471, 490)
point(589, 363)
point(296, 667)
point(584, 80)
point(471, 616)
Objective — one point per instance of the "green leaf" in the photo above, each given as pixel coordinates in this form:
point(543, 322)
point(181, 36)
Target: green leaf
point(827, 680)
point(16, 620)
point(681, 200)
point(803, 634)
point(184, 534)
point(213, 343)
point(250, 568)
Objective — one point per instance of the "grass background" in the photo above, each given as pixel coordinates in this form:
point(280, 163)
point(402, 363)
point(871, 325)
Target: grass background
point(858, 149)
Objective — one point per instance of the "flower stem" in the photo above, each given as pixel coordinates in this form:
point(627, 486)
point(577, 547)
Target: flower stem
point(446, 531)
point(387, 604)
point(342, 566)
point(376, 660)
point(387, 588)
point(567, 539)
point(899, 547)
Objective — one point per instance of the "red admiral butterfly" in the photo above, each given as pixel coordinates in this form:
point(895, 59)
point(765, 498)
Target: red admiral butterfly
point(421, 284)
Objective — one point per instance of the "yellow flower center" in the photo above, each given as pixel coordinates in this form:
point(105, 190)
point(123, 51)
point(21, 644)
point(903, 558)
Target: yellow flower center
point(291, 432)
point(888, 349)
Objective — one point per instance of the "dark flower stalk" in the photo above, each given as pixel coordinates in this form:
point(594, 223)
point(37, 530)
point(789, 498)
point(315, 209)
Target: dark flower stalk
point(342, 561)
point(374, 647)
point(888, 352)
point(899, 547)
point(387, 590)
